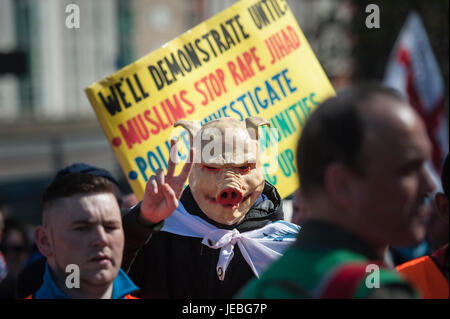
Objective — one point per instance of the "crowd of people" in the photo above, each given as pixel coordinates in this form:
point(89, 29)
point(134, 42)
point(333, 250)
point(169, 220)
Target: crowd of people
point(365, 194)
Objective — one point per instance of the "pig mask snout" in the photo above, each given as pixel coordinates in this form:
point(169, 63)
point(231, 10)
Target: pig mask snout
point(229, 196)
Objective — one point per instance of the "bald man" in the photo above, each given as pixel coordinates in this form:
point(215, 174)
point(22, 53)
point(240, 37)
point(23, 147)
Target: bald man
point(361, 160)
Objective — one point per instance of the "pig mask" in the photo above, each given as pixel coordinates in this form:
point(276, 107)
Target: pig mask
point(226, 179)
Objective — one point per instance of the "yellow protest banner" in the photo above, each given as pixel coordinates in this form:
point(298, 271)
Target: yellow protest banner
point(249, 60)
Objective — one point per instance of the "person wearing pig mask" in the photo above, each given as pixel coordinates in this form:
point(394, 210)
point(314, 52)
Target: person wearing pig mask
point(226, 227)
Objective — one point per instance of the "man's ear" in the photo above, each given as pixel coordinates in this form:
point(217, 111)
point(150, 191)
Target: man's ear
point(442, 205)
point(43, 242)
point(339, 184)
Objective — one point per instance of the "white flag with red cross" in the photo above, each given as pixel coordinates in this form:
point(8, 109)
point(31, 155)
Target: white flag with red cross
point(413, 71)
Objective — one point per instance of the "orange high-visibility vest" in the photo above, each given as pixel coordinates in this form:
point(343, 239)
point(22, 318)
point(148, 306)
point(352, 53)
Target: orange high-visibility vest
point(425, 275)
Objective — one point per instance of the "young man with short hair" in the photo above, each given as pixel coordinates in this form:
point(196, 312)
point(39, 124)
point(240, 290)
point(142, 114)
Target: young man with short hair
point(82, 228)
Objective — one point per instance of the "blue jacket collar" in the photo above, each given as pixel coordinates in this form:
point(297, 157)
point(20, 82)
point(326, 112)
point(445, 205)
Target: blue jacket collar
point(122, 286)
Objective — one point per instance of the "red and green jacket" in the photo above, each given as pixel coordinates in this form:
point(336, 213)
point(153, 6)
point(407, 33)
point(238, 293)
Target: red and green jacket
point(328, 262)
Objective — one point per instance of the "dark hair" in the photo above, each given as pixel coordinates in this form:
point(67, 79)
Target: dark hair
point(85, 168)
point(76, 183)
point(334, 133)
point(444, 176)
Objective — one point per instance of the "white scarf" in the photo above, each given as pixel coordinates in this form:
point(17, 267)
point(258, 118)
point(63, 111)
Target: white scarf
point(259, 247)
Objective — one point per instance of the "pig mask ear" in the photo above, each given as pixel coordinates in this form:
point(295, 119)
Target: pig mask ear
point(191, 126)
point(252, 124)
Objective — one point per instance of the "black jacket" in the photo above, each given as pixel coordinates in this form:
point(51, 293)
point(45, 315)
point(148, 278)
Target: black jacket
point(166, 265)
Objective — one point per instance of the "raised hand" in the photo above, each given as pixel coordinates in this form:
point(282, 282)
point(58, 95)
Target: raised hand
point(163, 192)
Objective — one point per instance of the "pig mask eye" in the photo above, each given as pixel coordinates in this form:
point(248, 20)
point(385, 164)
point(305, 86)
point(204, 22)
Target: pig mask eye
point(210, 168)
point(243, 168)
point(246, 168)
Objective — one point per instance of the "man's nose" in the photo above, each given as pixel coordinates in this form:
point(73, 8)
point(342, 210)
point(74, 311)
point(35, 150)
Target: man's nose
point(100, 237)
point(427, 183)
